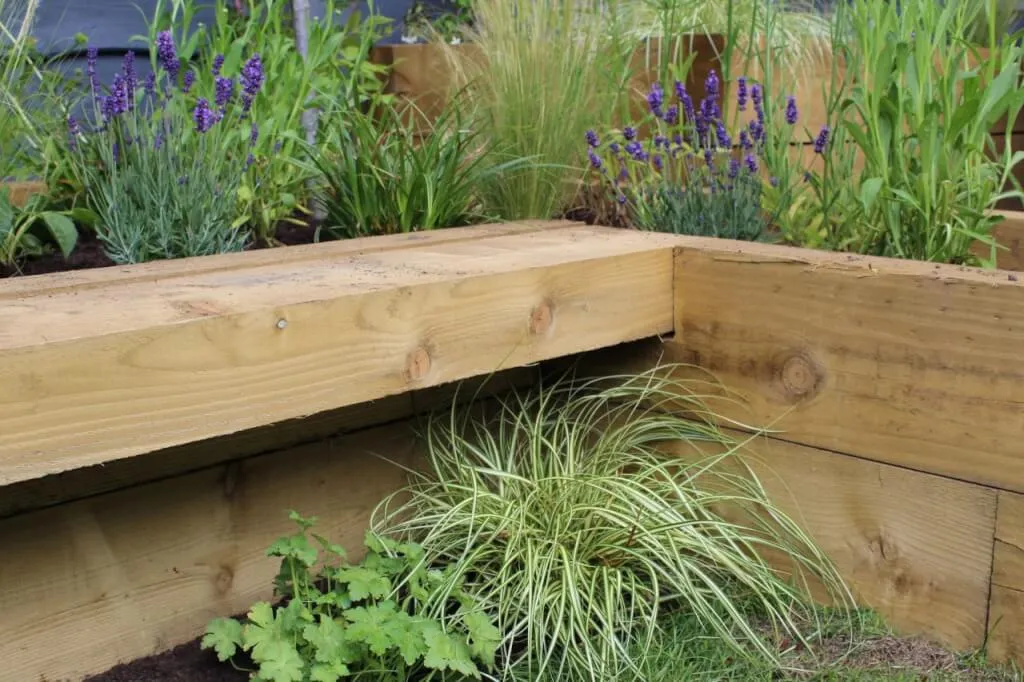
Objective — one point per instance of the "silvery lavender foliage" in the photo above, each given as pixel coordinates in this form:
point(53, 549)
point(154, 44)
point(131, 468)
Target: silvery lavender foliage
point(161, 172)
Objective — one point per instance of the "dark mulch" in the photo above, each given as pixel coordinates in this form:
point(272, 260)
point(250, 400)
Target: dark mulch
point(186, 663)
point(89, 252)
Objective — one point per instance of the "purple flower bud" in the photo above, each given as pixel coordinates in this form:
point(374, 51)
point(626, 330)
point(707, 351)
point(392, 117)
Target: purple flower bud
point(614, 147)
point(723, 136)
point(660, 141)
point(254, 135)
point(118, 100)
point(92, 54)
point(712, 85)
point(672, 115)
point(203, 116)
point(190, 78)
point(741, 93)
point(218, 64)
point(131, 80)
point(251, 79)
point(658, 163)
point(709, 158)
point(745, 141)
point(774, 181)
point(734, 168)
point(224, 91)
point(751, 162)
point(149, 85)
point(629, 133)
point(655, 99)
point(158, 141)
point(623, 172)
point(592, 139)
point(635, 149)
point(822, 140)
point(686, 100)
point(167, 54)
point(595, 160)
point(249, 161)
point(74, 130)
point(621, 199)
point(791, 113)
point(755, 96)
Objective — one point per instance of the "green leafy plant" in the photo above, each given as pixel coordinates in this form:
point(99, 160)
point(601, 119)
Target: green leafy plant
point(570, 516)
point(914, 106)
point(28, 230)
point(383, 177)
point(341, 620)
point(336, 69)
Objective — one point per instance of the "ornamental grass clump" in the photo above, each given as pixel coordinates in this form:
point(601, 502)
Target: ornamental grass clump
point(161, 164)
point(574, 521)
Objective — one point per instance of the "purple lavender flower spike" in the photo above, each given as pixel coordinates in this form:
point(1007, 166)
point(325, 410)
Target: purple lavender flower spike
point(791, 112)
point(115, 150)
point(656, 99)
point(734, 168)
point(254, 135)
point(225, 90)
point(741, 93)
point(677, 139)
point(592, 139)
point(751, 162)
point(249, 161)
point(623, 173)
point(755, 96)
point(686, 100)
point(74, 130)
point(621, 199)
point(629, 133)
point(92, 54)
point(745, 141)
point(188, 81)
point(723, 136)
point(149, 85)
point(712, 86)
point(252, 79)
point(634, 149)
point(158, 141)
point(595, 160)
point(118, 100)
point(672, 115)
point(203, 116)
point(614, 147)
point(660, 141)
point(658, 162)
point(821, 141)
point(128, 68)
point(218, 64)
point(709, 158)
point(167, 54)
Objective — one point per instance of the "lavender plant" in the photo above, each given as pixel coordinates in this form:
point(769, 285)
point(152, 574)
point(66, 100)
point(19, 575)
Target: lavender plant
point(336, 68)
point(161, 174)
point(691, 177)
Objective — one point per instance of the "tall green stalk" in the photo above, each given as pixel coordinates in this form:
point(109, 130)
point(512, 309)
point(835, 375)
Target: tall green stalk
point(16, 125)
point(538, 75)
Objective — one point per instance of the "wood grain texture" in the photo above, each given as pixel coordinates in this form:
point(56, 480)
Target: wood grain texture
point(915, 547)
point(902, 362)
point(1006, 609)
point(108, 372)
point(123, 575)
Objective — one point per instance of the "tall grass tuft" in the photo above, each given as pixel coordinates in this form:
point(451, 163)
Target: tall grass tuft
point(16, 126)
point(567, 515)
point(539, 74)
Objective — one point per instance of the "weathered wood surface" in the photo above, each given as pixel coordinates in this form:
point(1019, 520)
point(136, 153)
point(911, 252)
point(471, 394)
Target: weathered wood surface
point(93, 374)
point(86, 585)
point(908, 363)
point(1006, 608)
point(915, 547)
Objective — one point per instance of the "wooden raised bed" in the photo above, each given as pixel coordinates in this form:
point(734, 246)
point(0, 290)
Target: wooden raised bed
point(158, 420)
point(893, 390)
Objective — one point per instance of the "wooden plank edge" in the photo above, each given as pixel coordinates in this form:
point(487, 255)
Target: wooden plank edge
point(44, 285)
point(528, 315)
point(1006, 603)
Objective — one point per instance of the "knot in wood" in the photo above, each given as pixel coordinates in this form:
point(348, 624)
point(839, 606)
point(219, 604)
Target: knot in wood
point(541, 318)
point(417, 364)
point(798, 376)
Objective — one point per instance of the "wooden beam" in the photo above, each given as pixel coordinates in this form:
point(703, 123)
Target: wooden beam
point(92, 375)
point(131, 573)
point(913, 546)
point(909, 363)
point(1006, 608)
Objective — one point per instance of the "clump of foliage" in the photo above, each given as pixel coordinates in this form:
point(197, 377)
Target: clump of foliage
point(28, 230)
point(335, 69)
point(690, 176)
point(383, 177)
point(538, 74)
point(340, 620)
point(580, 514)
point(909, 168)
point(163, 176)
